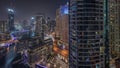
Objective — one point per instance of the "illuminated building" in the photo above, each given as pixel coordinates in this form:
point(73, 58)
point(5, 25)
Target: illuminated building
point(62, 31)
point(10, 20)
point(4, 37)
point(3, 26)
point(3, 31)
point(62, 23)
point(86, 34)
point(114, 27)
point(65, 23)
point(58, 23)
point(32, 25)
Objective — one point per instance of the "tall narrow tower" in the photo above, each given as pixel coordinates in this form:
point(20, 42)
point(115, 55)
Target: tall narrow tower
point(40, 22)
point(10, 20)
point(11, 16)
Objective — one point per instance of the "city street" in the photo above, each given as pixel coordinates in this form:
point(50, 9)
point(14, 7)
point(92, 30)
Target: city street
point(62, 63)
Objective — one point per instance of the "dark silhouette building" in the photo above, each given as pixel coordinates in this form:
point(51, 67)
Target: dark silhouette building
point(40, 22)
point(10, 20)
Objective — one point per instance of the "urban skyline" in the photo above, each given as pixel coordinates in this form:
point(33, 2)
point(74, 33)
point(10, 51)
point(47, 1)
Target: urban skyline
point(23, 8)
point(60, 34)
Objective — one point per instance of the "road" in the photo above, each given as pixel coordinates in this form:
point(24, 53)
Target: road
point(62, 64)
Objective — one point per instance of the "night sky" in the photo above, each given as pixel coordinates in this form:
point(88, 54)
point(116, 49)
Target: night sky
point(26, 8)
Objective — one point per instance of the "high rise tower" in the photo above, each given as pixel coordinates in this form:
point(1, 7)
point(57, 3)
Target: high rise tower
point(40, 22)
point(10, 20)
point(11, 16)
point(86, 34)
point(62, 22)
point(114, 28)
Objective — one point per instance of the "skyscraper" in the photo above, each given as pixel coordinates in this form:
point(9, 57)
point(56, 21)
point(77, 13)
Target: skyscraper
point(114, 27)
point(10, 20)
point(40, 22)
point(58, 23)
point(62, 22)
point(86, 30)
point(65, 23)
point(32, 24)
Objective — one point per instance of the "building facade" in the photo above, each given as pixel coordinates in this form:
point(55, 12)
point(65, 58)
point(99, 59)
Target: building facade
point(62, 32)
point(39, 26)
point(62, 22)
point(114, 27)
point(3, 26)
point(86, 30)
point(58, 23)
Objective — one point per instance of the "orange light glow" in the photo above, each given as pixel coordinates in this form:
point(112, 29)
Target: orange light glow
point(64, 53)
point(56, 49)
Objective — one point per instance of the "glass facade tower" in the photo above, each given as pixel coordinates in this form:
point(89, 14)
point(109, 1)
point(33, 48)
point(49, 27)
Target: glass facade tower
point(86, 34)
